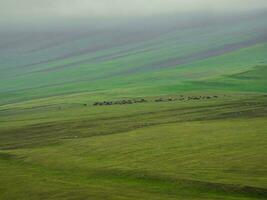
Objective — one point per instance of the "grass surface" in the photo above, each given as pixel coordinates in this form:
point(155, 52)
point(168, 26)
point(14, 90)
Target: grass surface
point(54, 144)
point(207, 149)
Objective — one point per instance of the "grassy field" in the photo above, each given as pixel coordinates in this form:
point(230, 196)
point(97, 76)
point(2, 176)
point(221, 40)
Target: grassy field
point(197, 149)
point(55, 144)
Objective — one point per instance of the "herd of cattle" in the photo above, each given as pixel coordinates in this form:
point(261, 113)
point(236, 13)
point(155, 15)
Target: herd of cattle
point(168, 99)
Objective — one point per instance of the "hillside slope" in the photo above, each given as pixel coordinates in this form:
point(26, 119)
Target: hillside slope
point(43, 64)
point(155, 113)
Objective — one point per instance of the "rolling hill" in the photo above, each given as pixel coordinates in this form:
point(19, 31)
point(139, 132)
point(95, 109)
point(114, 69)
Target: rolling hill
point(44, 64)
point(167, 110)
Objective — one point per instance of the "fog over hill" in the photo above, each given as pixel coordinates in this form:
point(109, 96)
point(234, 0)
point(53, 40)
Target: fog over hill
point(72, 46)
point(50, 11)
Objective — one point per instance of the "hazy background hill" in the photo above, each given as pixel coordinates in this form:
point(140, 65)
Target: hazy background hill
point(153, 56)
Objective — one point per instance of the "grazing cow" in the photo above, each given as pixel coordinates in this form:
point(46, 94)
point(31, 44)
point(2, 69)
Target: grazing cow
point(159, 100)
point(143, 100)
